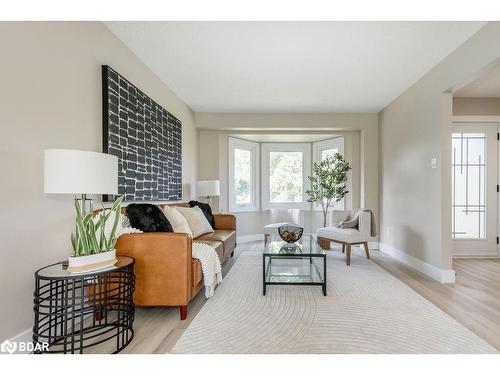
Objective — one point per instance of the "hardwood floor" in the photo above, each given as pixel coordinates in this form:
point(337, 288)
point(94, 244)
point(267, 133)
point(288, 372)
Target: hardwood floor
point(474, 301)
point(157, 329)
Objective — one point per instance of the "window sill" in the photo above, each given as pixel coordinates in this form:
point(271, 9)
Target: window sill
point(243, 209)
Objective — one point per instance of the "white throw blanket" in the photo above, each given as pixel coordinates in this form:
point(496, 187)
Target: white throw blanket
point(210, 265)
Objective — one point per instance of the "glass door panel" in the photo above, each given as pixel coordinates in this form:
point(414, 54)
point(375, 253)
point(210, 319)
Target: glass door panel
point(474, 189)
point(468, 185)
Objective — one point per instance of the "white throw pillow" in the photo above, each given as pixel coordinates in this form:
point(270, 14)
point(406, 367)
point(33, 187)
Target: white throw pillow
point(178, 222)
point(196, 219)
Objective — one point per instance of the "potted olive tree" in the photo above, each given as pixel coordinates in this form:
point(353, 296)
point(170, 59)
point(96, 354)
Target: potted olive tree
point(95, 239)
point(328, 184)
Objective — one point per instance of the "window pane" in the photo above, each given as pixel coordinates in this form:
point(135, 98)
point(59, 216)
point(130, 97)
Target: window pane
point(468, 185)
point(242, 175)
point(285, 176)
point(328, 152)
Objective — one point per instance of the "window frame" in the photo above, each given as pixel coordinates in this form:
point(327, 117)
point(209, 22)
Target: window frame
point(253, 147)
point(266, 149)
point(318, 148)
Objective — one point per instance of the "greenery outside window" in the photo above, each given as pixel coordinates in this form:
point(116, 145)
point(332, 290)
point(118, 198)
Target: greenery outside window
point(322, 150)
point(243, 175)
point(285, 167)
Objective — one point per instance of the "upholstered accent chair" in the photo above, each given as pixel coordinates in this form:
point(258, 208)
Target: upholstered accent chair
point(347, 237)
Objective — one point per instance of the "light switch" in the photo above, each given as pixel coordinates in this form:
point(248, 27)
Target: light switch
point(434, 163)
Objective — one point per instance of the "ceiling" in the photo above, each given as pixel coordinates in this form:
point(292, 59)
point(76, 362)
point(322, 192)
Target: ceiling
point(486, 86)
point(291, 67)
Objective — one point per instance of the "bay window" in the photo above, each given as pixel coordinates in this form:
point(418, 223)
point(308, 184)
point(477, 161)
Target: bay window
point(285, 171)
point(243, 175)
point(322, 150)
point(275, 175)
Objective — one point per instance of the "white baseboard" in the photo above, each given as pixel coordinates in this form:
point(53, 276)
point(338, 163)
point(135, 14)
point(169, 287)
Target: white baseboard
point(438, 274)
point(478, 255)
point(250, 238)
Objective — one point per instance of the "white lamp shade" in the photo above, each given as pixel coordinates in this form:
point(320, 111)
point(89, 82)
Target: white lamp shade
point(80, 172)
point(210, 188)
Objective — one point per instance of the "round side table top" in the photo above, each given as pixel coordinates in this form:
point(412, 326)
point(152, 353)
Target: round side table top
point(59, 270)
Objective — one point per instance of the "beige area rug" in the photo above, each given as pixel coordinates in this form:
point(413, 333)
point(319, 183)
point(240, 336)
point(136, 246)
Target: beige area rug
point(367, 310)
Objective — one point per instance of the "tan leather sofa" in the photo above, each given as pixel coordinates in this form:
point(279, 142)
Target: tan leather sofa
point(166, 274)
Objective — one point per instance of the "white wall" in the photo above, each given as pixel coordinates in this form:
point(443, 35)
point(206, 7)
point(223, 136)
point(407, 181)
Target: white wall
point(359, 129)
point(50, 97)
point(415, 199)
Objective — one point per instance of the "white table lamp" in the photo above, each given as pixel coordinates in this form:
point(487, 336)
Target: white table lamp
point(208, 189)
point(80, 173)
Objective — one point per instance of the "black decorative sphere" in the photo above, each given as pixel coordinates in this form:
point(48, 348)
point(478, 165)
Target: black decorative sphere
point(290, 232)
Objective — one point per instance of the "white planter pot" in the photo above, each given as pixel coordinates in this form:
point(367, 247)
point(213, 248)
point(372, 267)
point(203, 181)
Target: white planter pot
point(88, 263)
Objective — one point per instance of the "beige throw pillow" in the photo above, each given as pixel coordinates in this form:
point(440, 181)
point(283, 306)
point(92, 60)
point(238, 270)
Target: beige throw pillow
point(197, 221)
point(177, 220)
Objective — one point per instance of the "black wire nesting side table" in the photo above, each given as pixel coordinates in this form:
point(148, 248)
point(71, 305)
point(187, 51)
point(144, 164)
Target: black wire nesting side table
point(76, 312)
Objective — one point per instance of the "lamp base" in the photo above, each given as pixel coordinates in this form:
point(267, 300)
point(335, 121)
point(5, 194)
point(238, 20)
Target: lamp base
point(84, 203)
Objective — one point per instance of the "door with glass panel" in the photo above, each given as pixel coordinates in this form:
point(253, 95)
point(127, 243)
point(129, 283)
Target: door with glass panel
point(474, 189)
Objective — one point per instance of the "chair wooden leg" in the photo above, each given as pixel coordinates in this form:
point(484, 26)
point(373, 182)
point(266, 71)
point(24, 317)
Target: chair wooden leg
point(184, 312)
point(343, 248)
point(348, 254)
point(365, 244)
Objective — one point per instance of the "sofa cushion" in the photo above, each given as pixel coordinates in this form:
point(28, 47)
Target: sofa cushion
point(196, 219)
point(227, 237)
point(148, 218)
point(218, 246)
point(177, 220)
point(207, 211)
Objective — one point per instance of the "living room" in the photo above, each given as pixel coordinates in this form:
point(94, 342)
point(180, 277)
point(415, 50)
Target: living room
point(249, 187)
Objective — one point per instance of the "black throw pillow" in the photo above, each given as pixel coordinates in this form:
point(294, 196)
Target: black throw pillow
point(148, 218)
point(207, 211)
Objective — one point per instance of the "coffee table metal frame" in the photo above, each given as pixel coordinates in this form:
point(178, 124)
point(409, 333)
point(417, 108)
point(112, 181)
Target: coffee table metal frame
point(269, 256)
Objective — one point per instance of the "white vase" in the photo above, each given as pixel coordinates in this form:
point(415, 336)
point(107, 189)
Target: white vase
point(94, 262)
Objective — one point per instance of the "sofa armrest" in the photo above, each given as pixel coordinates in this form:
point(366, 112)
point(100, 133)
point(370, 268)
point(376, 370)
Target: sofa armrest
point(163, 266)
point(225, 221)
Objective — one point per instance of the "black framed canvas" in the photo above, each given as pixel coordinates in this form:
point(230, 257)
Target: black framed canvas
point(146, 138)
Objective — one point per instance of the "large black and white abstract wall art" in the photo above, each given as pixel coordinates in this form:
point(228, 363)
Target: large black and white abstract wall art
point(145, 137)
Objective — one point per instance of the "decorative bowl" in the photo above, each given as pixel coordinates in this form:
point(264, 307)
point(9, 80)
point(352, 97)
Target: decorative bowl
point(290, 248)
point(290, 232)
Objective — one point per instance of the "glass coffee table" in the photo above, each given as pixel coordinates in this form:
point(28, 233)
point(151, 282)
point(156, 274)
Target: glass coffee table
point(301, 263)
